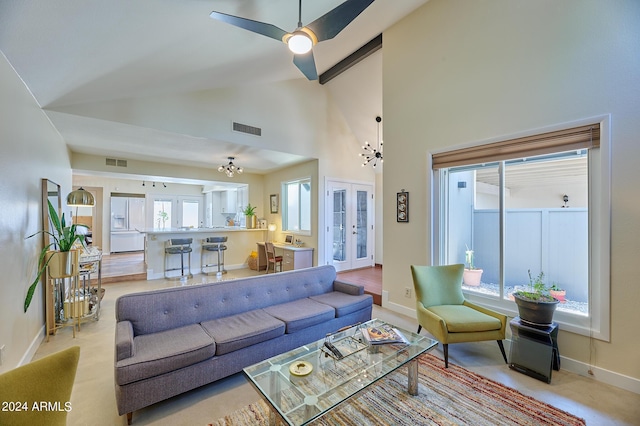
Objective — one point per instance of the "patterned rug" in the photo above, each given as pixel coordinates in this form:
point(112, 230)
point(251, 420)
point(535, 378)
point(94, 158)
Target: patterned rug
point(452, 396)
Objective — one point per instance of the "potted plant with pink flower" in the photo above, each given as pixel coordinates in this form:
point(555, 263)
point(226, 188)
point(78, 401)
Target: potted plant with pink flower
point(557, 292)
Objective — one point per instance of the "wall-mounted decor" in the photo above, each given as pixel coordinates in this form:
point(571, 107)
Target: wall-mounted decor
point(274, 203)
point(403, 206)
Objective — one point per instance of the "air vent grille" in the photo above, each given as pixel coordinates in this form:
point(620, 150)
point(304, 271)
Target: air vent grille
point(245, 128)
point(115, 162)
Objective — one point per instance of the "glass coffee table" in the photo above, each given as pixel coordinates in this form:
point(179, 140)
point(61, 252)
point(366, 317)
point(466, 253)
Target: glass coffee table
point(305, 383)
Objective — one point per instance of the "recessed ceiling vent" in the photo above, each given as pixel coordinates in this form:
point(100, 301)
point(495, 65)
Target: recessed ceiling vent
point(245, 128)
point(115, 162)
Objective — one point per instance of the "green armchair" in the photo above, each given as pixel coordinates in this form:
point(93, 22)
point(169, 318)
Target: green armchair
point(42, 388)
point(443, 311)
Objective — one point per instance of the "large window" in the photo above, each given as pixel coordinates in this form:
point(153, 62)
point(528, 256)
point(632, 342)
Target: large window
point(296, 203)
point(162, 213)
point(173, 212)
point(191, 213)
point(529, 205)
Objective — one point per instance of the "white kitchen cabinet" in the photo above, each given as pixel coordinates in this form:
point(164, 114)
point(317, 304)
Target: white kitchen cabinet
point(229, 201)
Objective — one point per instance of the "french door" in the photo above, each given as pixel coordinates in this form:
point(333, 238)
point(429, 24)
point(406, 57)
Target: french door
point(350, 225)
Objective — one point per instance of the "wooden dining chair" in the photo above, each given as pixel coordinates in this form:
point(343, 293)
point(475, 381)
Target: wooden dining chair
point(271, 257)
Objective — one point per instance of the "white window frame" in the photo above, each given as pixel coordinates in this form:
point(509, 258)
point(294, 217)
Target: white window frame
point(597, 323)
point(176, 207)
point(285, 210)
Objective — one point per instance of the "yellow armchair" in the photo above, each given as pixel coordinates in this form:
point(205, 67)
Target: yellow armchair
point(40, 392)
point(443, 311)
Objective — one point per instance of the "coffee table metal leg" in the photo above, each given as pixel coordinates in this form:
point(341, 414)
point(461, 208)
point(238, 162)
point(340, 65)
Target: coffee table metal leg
point(275, 393)
point(412, 386)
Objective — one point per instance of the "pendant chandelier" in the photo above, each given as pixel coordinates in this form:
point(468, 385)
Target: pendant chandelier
point(230, 169)
point(372, 154)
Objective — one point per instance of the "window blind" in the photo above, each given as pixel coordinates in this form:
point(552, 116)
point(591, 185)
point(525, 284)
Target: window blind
point(583, 137)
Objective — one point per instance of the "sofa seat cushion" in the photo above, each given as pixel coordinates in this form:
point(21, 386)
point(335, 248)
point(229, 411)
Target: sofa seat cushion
point(302, 313)
point(242, 330)
point(343, 303)
point(159, 353)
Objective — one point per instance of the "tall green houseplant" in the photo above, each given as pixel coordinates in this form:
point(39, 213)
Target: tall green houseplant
point(63, 238)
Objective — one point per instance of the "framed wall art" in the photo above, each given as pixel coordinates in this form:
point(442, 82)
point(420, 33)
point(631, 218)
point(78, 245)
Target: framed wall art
point(273, 198)
point(403, 206)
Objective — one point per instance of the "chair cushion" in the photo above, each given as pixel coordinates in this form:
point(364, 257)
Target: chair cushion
point(462, 319)
point(343, 303)
point(438, 285)
point(159, 353)
point(213, 247)
point(242, 330)
point(177, 250)
point(301, 314)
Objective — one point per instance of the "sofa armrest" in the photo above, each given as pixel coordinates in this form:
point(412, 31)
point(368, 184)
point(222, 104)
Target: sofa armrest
point(124, 340)
point(353, 289)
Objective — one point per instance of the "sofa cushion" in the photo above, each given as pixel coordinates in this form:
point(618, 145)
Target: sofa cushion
point(301, 313)
point(166, 351)
point(242, 330)
point(343, 303)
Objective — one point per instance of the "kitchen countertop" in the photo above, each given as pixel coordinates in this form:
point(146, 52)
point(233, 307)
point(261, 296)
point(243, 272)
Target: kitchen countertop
point(198, 230)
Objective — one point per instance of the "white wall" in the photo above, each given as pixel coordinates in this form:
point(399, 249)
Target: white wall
point(316, 130)
point(460, 72)
point(30, 149)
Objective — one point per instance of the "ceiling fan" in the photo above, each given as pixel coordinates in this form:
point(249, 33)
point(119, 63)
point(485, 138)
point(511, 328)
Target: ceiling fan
point(303, 38)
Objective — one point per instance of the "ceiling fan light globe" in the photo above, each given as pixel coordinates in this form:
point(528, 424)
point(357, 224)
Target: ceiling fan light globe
point(299, 43)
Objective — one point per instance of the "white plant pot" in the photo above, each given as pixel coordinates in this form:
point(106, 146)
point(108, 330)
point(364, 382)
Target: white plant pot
point(472, 277)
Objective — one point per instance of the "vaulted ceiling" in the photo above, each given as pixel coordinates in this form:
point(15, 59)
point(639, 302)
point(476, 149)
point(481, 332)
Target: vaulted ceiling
point(76, 54)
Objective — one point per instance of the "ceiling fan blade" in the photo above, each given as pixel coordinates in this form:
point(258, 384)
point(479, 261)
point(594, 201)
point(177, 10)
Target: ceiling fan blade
point(331, 23)
point(268, 30)
point(306, 64)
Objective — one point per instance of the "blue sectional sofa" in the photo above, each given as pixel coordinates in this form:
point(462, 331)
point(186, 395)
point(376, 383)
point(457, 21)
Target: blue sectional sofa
point(173, 340)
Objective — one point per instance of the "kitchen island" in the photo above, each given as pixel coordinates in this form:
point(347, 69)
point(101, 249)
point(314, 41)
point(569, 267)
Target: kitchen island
point(240, 243)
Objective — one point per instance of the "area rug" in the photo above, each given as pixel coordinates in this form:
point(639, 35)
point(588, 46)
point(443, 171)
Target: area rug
point(447, 396)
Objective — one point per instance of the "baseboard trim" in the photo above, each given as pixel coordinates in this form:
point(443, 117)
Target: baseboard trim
point(33, 347)
point(580, 368)
point(601, 375)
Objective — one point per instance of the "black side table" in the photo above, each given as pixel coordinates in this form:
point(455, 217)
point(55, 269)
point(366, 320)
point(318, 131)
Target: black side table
point(534, 350)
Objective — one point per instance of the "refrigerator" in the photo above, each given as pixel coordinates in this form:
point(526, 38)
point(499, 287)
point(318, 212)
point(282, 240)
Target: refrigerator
point(127, 223)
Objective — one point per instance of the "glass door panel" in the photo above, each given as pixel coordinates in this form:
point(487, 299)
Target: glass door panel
point(362, 229)
point(339, 225)
point(351, 218)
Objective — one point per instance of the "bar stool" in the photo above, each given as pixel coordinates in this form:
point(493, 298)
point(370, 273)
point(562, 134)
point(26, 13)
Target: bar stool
point(213, 244)
point(178, 246)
